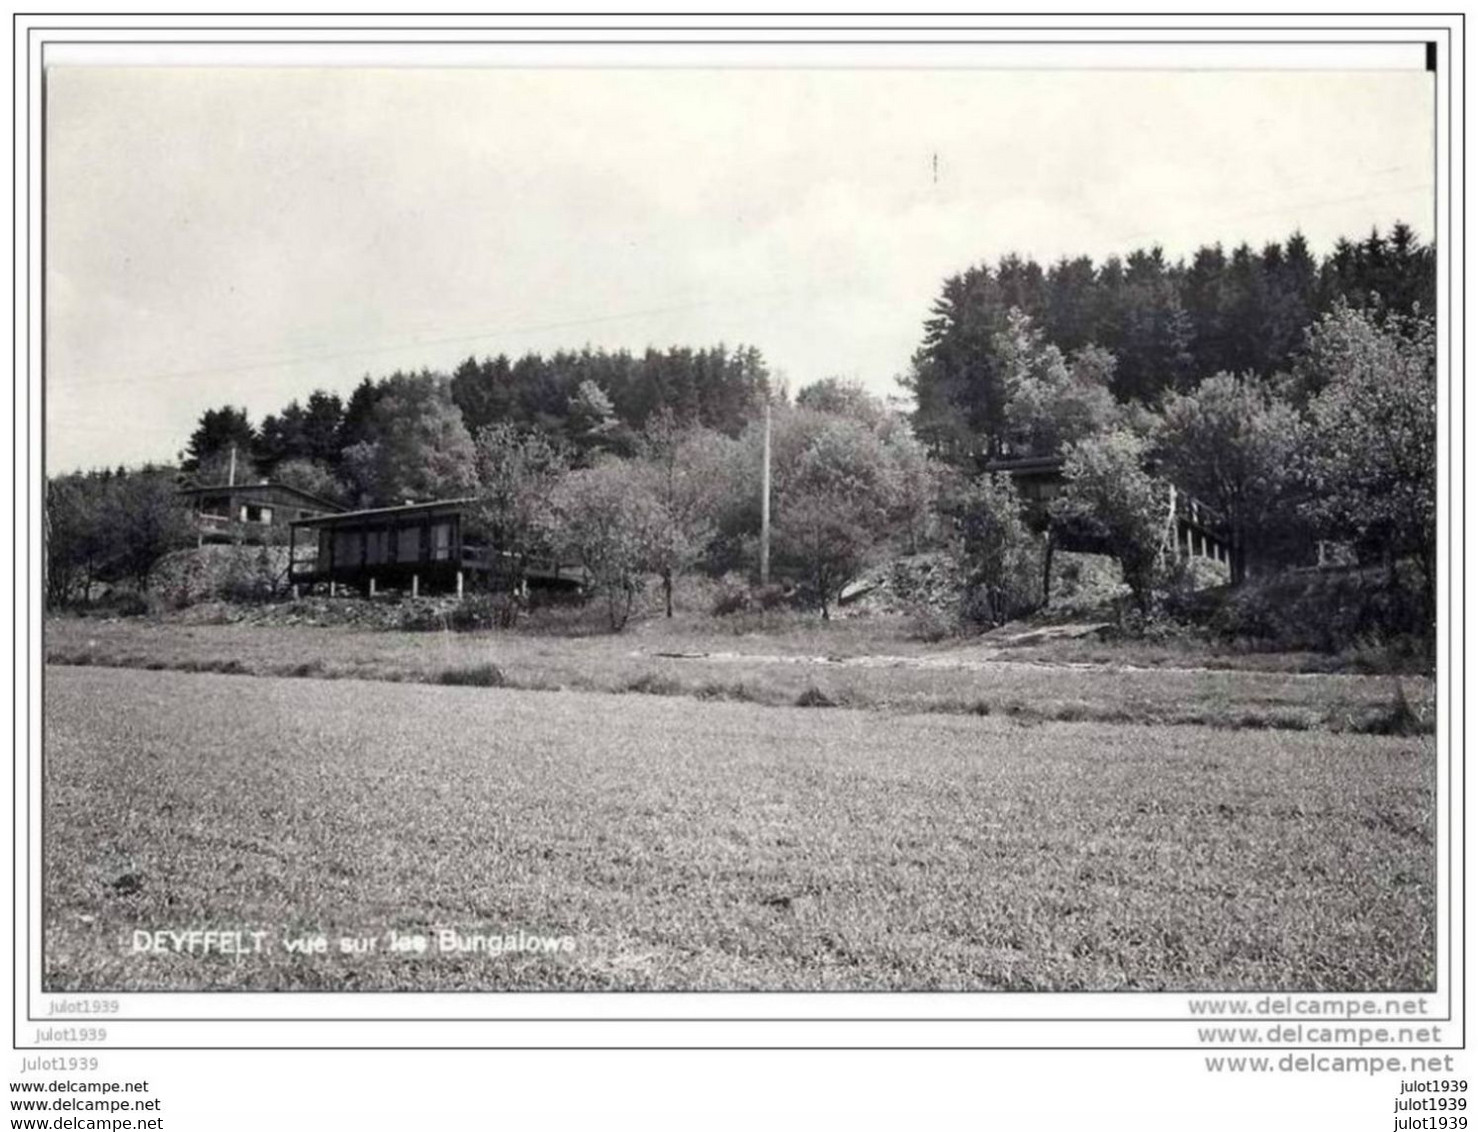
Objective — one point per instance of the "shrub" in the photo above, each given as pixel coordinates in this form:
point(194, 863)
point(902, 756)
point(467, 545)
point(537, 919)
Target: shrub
point(926, 623)
point(477, 676)
point(771, 597)
point(420, 617)
point(652, 684)
point(1086, 583)
point(1322, 612)
point(731, 595)
point(1400, 717)
point(815, 697)
point(483, 611)
point(714, 690)
point(239, 574)
point(127, 603)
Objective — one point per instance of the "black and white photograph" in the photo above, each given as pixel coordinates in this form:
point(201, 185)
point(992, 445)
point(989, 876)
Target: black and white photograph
point(818, 526)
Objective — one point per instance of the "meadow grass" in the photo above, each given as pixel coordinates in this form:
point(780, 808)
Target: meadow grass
point(689, 845)
point(778, 670)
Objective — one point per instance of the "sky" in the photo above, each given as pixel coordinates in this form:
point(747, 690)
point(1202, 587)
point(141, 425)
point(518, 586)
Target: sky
point(247, 235)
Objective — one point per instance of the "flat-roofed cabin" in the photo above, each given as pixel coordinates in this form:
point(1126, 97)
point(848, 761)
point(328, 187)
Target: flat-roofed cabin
point(414, 547)
point(249, 511)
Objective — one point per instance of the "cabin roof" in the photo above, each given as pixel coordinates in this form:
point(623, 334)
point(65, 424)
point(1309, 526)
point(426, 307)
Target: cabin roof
point(1025, 464)
point(262, 486)
point(404, 511)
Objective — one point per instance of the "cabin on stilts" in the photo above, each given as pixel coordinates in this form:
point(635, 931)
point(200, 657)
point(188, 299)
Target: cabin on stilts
point(414, 548)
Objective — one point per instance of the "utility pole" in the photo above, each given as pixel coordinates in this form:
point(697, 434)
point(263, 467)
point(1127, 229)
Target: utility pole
point(231, 477)
point(765, 503)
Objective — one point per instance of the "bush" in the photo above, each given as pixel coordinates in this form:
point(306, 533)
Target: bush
point(1400, 717)
point(770, 598)
point(1321, 612)
point(815, 697)
point(651, 684)
point(124, 603)
point(1085, 583)
point(1185, 576)
point(421, 616)
point(925, 623)
point(733, 593)
point(716, 690)
point(250, 575)
point(477, 676)
point(483, 611)
point(234, 573)
point(464, 615)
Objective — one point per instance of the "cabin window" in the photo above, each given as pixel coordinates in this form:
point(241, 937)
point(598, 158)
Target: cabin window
point(253, 513)
point(217, 506)
point(374, 547)
point(408, 544)
point(348, 548)
point(441, 541)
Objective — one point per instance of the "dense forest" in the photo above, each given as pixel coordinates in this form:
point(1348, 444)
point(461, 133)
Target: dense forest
point(411, 434)
point(1157, 326)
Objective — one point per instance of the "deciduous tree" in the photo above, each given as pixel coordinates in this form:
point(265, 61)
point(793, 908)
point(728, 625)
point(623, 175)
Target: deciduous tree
point(310, 476)
point(417, 447)
point(835, 496)
point(606, 518)
point(1052, 402)
point(1372, 462)
point(1233, 442)
point(999, 555)
point(685, 469)
point(517, 472)
point(143, 519)
point(76, 535)
point(1109, 493)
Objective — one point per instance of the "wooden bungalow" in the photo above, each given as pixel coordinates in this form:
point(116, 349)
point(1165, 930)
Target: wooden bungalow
point(250, 511)
point(1192, 529)
point(414, 547)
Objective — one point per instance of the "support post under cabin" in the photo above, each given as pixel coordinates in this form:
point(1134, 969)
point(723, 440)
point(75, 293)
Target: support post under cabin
point(372, 587)
point(415, 585)
point(459, 585)
point(1047, 569)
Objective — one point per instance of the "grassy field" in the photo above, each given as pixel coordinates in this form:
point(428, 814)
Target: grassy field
point(712, 845)
point(855, 664)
